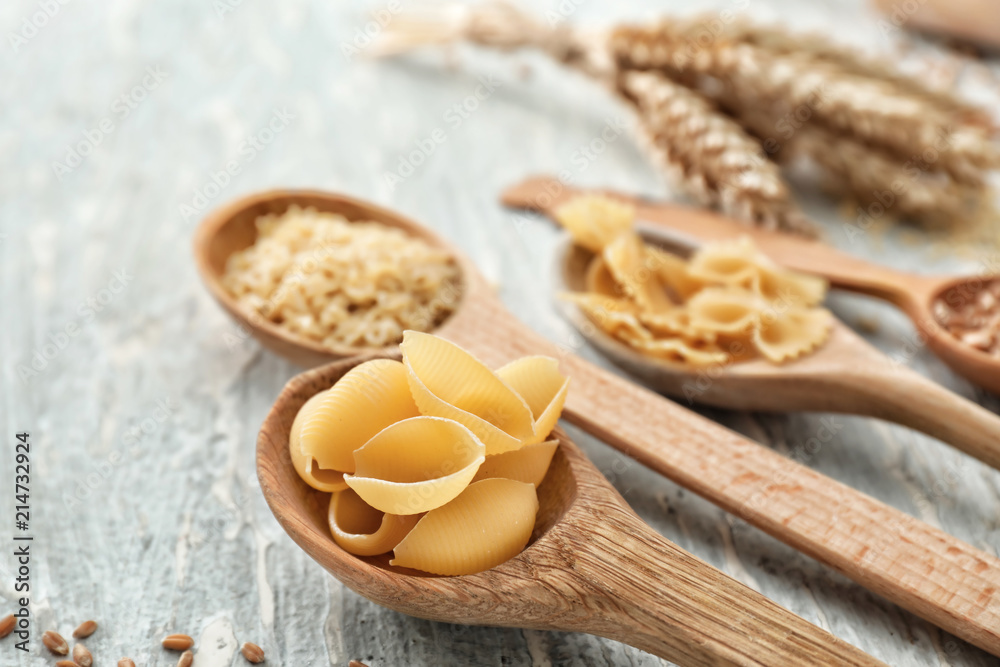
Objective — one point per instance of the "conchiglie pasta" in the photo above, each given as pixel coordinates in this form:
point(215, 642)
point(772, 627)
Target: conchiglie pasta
point(489, 523)
point(361, 529)
point(368, 398)
point(306, 466)
point(416, 465)
point(528, 464)
point(446, 381)
point(538, 381)
point(423, 484)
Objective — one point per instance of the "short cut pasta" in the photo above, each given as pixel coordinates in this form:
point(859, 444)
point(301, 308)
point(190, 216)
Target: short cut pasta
point(434, 475)
point(728, 303)
point(339, 282)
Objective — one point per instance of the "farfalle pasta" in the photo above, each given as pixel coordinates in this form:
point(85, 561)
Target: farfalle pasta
point(793, 334)
point(729, 302)
point(435, 458)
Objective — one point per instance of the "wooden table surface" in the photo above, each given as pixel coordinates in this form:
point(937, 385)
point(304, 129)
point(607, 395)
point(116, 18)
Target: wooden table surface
point(120, 120)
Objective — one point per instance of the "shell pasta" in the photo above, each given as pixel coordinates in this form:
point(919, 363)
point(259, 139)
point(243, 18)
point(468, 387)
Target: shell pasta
point(528, 464)
point(495, 518)
point(363, 530)
point(435, 458)
point(377, 391)
point(416, 465)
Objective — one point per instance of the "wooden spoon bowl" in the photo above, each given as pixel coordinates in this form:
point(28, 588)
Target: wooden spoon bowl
point(233, 227)
point(862, 538)
point(911, 293)
point(591, 566)
point(845, 374)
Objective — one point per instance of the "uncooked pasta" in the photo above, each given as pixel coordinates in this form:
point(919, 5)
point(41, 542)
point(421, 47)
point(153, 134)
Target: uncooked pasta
point(435, 458)
point(339, 282)
point(416, 465)
point(495, 518)
point(728, 302)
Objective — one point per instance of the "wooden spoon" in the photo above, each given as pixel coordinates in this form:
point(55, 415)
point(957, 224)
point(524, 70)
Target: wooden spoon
point(592, 566)
point(845, 375)
point(913, 294)
point(920, 568)
point(969, 20)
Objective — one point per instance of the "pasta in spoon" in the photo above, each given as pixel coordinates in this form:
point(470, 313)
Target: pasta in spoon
point(728, 303)
point(435, 458)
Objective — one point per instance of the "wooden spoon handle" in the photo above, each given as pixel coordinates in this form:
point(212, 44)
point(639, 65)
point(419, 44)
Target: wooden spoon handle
point(972, 20)
point(920, 568)
point(649, 593)
point(900, 395)
point(545, 194)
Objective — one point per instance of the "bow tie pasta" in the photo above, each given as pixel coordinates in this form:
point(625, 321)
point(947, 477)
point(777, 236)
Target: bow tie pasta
point(435, 458)
point(728, 303)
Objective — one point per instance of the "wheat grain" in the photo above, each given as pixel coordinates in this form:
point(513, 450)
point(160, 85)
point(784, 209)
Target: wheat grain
point(82, 656)
point(177, 642)
point(7, 625)
point(252, 653)
point(55, 643)
point(85, 629)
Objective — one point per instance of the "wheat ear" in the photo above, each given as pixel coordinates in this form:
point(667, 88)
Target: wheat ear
point(709, 155)
point(873, 110)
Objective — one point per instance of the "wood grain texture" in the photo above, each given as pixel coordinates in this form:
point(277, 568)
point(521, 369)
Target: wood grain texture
point(914, 294)
point(845, 374)
point(591, 565)
point(959, 582)
point(977, 21)
point(172, 533)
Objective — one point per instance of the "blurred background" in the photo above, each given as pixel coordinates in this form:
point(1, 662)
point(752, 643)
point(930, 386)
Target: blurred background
point(125, 122)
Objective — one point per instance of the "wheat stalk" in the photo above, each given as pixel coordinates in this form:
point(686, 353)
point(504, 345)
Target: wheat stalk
point(701, 151)
point(817, 47)
point(709, 155)
point(867, 124)
point(913, 189)
point(877, 111)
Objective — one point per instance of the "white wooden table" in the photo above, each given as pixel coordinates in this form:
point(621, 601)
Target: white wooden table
point(145, 401)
